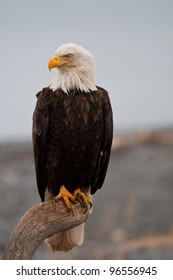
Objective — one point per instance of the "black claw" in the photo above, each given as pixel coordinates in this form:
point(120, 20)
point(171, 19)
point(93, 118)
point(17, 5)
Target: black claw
point(78, 198)
point(86, 207)
point(90, 205)
point(85, 210)
point(70, 210)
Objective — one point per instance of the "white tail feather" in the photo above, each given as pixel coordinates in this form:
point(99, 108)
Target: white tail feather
point(66, 240)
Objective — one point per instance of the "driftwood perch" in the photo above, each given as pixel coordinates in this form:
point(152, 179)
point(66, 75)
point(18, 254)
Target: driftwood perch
point(40, 222)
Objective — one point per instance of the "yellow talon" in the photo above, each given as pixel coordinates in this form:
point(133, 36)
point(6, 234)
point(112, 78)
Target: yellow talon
point(83, 196)
point(66, 196)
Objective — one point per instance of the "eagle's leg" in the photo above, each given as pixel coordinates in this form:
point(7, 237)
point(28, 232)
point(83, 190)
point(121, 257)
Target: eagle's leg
point(66, 196)
point(82, 196)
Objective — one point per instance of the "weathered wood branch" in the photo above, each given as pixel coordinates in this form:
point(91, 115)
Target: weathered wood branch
point(38, 223)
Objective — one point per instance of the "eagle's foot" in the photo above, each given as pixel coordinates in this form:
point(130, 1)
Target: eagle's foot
point(66, 196)
point(81, 197)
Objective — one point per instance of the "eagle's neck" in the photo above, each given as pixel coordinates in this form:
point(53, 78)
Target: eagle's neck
point(73, 78)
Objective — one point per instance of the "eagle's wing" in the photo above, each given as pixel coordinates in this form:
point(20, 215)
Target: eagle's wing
point(39, 135)
point(104, 155)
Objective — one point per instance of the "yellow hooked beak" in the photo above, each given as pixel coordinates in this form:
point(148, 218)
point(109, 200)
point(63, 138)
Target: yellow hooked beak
point(55, 61)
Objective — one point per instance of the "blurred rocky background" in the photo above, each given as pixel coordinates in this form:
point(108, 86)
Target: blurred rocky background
point(133, 212)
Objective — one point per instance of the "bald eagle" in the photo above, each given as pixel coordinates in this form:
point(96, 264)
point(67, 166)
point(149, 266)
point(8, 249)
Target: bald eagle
point(72, 136)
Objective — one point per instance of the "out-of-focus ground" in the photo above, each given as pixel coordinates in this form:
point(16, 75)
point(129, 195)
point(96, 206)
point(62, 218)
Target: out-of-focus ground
point(133, 212)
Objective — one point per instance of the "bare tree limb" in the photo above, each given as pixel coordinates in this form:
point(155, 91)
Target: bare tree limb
point(40, 222)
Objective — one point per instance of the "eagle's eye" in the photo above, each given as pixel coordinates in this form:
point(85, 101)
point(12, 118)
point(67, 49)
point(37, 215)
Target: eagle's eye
point(69, 55)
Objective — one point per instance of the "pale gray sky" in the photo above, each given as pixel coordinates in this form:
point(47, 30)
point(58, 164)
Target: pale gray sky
point(131, 40)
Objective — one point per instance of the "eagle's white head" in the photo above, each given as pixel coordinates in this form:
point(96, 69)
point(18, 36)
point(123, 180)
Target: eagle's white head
point(75, 65)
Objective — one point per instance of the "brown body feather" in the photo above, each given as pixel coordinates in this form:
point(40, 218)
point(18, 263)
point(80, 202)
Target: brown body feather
point(72, 136)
